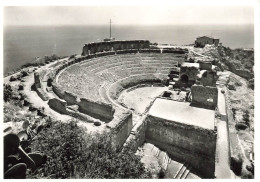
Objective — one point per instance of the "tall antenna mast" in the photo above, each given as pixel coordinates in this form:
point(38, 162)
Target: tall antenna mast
point(110, 27)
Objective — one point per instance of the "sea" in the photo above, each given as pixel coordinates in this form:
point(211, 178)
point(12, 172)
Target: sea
point(22, 44)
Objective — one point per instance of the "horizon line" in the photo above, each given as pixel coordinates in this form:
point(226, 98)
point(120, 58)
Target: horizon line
point(6, 25)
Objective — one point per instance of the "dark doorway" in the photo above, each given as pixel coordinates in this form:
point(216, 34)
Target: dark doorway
point(184, 79)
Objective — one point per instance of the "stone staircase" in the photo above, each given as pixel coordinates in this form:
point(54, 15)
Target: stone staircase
point(173, 169)
point(109, 77)
point(102, 91)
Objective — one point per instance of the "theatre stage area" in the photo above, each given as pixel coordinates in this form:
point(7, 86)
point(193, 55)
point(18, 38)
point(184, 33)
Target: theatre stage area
point(182, 112)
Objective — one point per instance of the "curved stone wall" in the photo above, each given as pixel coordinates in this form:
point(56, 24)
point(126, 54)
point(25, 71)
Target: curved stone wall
point(118, 119)
point(126, 47)
point(125, 83)
point(95, 47)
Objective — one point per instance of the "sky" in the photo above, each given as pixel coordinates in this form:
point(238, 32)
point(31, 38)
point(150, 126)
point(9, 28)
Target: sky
point(159, 14)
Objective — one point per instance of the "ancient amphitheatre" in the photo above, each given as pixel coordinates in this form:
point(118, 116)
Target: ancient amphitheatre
point(157, 98)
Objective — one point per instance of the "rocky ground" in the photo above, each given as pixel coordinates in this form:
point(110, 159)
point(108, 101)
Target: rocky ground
point(24, 103)
point(240, 93)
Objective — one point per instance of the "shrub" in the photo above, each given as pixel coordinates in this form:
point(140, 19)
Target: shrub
point(236, 164)
point(241, 126)
point(20, 87)
point(8, 92)
point(74, 154)
point(97, 123)
point(12, 78)
point(161, 174)
point(251, 84)
point(24, 73)
point(41, 61)
point(231, 87)
point(72, 56)
point(246, 117)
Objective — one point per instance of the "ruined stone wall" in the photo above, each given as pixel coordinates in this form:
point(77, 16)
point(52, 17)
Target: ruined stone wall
point(123, 84)
point(205, 66)
point(37, 80)
point(93, 48)
point(120, 127)
point(70, 98)
point(209, 78)
point(175, 50)
point(191, 72)
point(244, 73)
point(57, 90)
point(58, 105)
point(202, 41)
point(188, 143)
point(42, 94)
point(96, 109)
point(203, 165)
point(137, 135)
point(204, 96)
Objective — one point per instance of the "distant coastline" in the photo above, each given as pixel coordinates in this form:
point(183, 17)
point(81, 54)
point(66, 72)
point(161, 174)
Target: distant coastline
point(24, 43)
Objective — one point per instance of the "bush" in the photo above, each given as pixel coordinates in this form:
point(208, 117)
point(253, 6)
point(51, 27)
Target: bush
point(251, 84)
point(236, 164)
point(20, 87)
point(231, 87)
point(241, 126)
point(24, 73)
point(12, 78)
point(8, 92)
point(72, 56)
point(246, 117)
point(41, 61)
point(97, 123)
point(74, 154)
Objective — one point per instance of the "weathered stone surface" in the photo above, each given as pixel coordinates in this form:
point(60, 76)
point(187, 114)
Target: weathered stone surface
point(244, 73)
point(120, 127)
point(209, 78)
point(71, 98)
point(205, 66)
point(43, 95)
point(37, 80)
point(93, 48)
point(96, 109)
point(57, 90)
point(58, 105)
point(184, 142)
point(204, 96)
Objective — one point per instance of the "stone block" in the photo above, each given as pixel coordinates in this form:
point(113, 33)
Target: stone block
point(204, 96)
point(58, 105)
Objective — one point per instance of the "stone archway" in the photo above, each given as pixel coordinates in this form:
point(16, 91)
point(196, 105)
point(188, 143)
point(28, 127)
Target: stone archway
point(184, 79)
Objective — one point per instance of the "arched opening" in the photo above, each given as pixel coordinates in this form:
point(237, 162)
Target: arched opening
point(184, 79)
point(204, 74)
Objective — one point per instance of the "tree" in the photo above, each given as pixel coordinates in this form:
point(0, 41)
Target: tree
point(74, 154)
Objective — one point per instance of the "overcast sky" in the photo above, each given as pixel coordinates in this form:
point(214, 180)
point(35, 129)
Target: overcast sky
point(127, 15)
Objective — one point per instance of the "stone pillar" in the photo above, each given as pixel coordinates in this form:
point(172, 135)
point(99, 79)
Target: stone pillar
point(37, 80)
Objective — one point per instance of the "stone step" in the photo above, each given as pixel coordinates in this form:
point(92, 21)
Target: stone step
point(155, 151)
point(161, 157)
point(172, 169)
point(180, 171)
point(185, 174)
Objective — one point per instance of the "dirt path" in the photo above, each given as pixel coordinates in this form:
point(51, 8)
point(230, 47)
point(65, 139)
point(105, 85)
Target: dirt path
point(222, 170)
point(37, 101)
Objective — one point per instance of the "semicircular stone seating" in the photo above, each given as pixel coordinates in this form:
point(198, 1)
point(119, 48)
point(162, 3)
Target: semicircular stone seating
point(92, 78)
